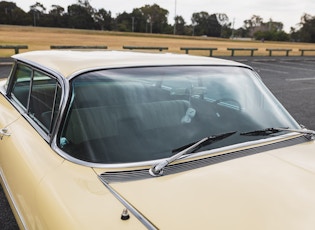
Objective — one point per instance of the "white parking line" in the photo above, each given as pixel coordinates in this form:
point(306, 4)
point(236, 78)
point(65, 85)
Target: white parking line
point(301, 79)
point(273, 71)
point(289, 65)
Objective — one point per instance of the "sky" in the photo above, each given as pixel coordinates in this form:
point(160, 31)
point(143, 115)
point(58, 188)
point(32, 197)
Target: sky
point(289, 12)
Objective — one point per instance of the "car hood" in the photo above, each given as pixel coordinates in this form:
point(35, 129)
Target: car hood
point(270, 190)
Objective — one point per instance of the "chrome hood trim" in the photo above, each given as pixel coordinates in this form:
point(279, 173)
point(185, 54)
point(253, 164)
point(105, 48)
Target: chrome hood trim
point(128, 206)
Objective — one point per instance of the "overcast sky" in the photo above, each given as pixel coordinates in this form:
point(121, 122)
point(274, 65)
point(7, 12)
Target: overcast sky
point(288, 12)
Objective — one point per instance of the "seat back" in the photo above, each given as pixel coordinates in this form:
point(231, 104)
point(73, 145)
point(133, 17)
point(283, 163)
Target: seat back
point(106, 121)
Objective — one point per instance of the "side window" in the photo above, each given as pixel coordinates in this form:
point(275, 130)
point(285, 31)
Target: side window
point(39, 94)
point(44, 100)
point(22, 84)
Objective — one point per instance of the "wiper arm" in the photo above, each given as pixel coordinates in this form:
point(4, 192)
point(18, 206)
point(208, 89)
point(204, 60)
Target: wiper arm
point(310, 134)
point(157, 169)
point(265, 132)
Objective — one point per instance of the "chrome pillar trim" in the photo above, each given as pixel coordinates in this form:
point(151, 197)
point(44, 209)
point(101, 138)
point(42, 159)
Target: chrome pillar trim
point(129, 207)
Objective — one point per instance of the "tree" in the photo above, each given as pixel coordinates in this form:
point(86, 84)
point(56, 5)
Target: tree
point(307, 31)
point(81, 16)
point(139, 20)
point(57, 10)
point(104, 19)
point(272, 31)
point(124, 22)
point(56, 17)
point(37, 10)
point(271, 35)
point(12, 15)
point(180, 25)
point(254, 21)
point(223, 20)
point(295, 35)
point(205, 24)
point(156, 18)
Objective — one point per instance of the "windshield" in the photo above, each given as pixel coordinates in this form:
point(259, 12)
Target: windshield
point(142, 114)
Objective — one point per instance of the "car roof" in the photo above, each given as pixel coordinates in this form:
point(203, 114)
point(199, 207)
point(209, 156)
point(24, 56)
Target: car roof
point(70, 62)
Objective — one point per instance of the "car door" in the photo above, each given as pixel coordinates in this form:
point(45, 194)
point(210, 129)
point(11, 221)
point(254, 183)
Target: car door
point(25, 153)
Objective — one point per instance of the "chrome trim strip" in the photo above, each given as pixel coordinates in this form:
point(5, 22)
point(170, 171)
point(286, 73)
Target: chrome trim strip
point(134, 211)
point(150, 163)
point(6, 187)
point(142, 174)
point(246, 144)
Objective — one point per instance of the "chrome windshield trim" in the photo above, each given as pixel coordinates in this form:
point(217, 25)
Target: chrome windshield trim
point(244, 145)
point(150, 163)
point(133, 210)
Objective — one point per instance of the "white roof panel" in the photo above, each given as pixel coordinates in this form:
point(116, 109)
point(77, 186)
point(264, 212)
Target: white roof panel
point(69, 62)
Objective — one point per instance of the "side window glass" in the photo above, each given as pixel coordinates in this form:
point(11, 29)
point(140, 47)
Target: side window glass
point(22, 83)
point(44, 100)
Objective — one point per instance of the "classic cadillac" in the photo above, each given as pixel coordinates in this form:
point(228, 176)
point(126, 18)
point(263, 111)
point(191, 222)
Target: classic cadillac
point(130, 140)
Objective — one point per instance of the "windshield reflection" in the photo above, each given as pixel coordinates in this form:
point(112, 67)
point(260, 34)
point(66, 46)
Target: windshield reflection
point(141, 114)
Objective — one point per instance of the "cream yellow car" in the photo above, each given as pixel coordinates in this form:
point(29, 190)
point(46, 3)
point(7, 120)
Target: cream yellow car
point(130, 140)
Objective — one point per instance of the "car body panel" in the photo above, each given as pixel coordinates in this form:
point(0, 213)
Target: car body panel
point(72, 197)
point(7, 113)
point(263, 191)
point(25, 158)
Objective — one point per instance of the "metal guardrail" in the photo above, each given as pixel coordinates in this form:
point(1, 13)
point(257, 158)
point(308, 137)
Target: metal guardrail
point(278, 50)
point(77, 47)
point(242, 49)
point(146, 48)
point(15, 47)
point(211, 49)
point(304, 50)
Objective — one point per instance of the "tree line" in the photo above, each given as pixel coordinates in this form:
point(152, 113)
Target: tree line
point(153, 19)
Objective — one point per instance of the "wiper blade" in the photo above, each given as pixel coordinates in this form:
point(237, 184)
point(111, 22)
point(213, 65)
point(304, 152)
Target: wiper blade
point(157, 169)
point(263, 132)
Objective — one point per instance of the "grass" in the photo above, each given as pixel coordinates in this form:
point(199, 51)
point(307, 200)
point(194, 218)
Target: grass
point(40, 38)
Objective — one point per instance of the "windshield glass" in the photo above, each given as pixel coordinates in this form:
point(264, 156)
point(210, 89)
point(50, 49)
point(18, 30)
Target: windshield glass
point(141, 114)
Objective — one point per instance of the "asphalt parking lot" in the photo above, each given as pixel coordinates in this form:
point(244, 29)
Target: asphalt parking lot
point(291, 79)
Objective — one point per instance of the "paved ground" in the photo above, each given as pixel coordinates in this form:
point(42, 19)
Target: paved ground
point(291, 79)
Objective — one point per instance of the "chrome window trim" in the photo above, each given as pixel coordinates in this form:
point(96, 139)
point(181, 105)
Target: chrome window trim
point(206, 153)
point(48, 137)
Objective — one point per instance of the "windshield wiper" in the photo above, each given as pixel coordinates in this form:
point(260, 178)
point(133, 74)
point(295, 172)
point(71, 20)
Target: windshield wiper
point(310, 134)
point(157, 169)
point(263, 132)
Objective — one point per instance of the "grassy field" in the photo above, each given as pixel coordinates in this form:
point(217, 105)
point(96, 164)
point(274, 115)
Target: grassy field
point(39, 38)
